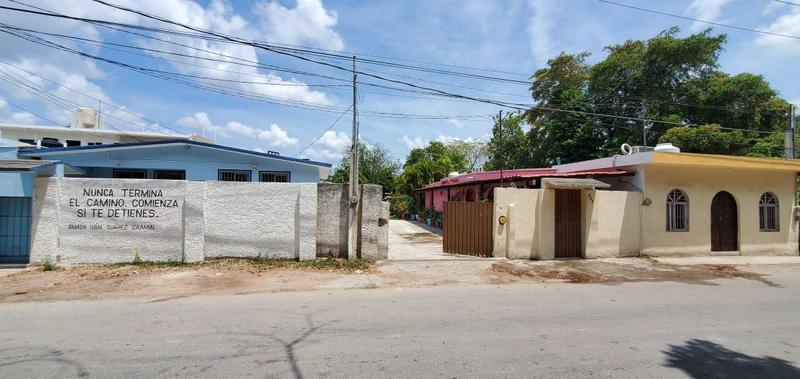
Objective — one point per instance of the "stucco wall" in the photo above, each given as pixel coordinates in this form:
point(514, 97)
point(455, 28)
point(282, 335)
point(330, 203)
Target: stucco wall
point(372, 213)
point(612, 222)
point(701, 184)
point(202, 220)
point(276, 220)
point(518, 238)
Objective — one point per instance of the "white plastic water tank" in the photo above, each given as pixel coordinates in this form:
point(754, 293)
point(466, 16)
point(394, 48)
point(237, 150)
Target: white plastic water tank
point(87, 117)
point(666, 147)
point(453, 174)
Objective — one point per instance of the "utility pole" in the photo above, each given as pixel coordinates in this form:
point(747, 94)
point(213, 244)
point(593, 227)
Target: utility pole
point(793, 128)
point(500, 147)
point(790, 136)
point(352, 224)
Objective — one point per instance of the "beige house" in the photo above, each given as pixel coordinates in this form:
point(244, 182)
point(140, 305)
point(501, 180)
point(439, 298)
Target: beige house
point(667, 204)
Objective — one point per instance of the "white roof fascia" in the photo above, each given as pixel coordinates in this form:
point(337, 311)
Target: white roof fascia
point(617, 161)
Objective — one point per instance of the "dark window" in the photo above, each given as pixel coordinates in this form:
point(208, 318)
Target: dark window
point(170, 174)
point(28, 141)
point(234, 176)
point(95, 143)
point(51, 142)
point(677, 211)
point(768, 212)
point(72, 142)
point(275, 176)
point(123, 173)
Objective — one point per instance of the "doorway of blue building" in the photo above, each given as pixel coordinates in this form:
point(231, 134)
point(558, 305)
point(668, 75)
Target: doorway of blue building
point(15, 229)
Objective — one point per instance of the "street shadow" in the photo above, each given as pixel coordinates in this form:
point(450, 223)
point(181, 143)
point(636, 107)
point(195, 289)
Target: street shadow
point(706, 359)
point(289, 345)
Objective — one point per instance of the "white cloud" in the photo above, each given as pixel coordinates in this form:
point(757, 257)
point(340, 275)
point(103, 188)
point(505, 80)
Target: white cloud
point(329, 148)
point(309, 23)
point(708, 10)
point(788, 23)
point(455, 122)
point(9, 114)
point(413, 143)
point(275, 136)
point(540, 24)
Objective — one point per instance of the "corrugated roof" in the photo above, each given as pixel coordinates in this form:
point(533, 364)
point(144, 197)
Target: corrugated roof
point(525, 173)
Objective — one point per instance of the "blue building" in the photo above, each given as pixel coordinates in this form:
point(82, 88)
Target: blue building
point(182, 160)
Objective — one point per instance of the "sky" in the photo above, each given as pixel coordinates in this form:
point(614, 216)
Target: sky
point(281, 103)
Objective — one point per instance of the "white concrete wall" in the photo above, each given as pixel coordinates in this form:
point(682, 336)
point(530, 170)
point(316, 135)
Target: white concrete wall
point(204, 220)
point(276, 220)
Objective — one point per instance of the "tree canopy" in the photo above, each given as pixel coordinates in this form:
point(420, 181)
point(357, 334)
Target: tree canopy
point(376, 166)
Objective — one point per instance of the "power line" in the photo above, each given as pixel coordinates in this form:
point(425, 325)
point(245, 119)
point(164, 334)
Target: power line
point(90, 96)
point(787, 2)
point(325, 131)
point(31, 113)
point(699, 20)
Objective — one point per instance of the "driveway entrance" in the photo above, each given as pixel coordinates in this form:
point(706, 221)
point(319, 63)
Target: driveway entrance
point(415, 241)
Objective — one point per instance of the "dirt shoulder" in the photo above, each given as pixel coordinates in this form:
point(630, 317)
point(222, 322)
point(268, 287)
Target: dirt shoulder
point(163, 282)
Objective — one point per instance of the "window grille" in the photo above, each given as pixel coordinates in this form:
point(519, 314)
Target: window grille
point(768, 212)
point(275, 176)
point(170, 174)
point(234, 176)
point(677, 211)
point(130, 174)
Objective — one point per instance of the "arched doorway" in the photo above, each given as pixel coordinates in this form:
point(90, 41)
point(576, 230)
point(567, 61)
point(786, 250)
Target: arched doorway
point(724, 223)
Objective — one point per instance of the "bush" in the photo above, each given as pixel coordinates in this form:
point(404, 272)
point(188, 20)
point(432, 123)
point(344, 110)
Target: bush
point(401, 206)
point(47, 265)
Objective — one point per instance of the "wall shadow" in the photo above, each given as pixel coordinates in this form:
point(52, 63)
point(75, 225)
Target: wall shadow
point(706, 359)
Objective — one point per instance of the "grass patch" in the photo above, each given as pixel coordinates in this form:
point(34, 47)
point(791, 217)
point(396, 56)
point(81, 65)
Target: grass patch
point(321, 264)
point(47, 265)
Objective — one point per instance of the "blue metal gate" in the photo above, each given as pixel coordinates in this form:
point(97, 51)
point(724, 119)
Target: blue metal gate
point(15, 229)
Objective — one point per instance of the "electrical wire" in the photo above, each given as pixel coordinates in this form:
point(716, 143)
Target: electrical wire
point(765, 32)
point(31, 113)
point(346, 111)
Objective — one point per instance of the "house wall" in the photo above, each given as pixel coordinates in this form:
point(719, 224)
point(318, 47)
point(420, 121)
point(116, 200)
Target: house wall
point(16, 184)
point(200, 163)
point(77, 220)
point(701, 184)
point(610, 223)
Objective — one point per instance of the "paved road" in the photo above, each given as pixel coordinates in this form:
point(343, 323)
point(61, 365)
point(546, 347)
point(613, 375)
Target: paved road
point(740, 328)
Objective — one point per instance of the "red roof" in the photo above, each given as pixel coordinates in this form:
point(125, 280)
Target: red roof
point(524, 173)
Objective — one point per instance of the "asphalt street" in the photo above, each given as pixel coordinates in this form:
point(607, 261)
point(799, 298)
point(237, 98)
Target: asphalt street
point(738, 328)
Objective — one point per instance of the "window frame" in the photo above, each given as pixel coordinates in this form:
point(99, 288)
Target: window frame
point(157, 172)
point(248, 172)
point(129, 170)
point(763, 208)
point(287, 173)
point(676, 208)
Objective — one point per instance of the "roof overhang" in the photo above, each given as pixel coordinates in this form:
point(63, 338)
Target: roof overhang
point(39, 167)
point(684, 160)
point(573, 183)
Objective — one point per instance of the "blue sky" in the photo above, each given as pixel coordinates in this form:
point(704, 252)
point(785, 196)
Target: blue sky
point(515, 37)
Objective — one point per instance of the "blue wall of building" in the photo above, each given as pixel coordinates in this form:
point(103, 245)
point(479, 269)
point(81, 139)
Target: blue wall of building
point(199, 162)
point(16, 184)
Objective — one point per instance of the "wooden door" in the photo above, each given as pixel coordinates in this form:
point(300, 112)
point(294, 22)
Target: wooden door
point(724, 223)
point(568, 224)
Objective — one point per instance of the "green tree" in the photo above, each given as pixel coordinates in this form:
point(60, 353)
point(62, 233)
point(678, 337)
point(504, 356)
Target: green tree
point(426, 165)
point(376, 166)
point(712, 139)
point(510, 148)
point(474, 153)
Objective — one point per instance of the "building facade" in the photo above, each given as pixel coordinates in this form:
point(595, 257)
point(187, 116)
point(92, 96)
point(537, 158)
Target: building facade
point(670, 204)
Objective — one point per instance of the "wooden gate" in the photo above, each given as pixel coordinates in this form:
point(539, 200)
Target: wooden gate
point(724, 223)
point(568, 224)
point(468, 228)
